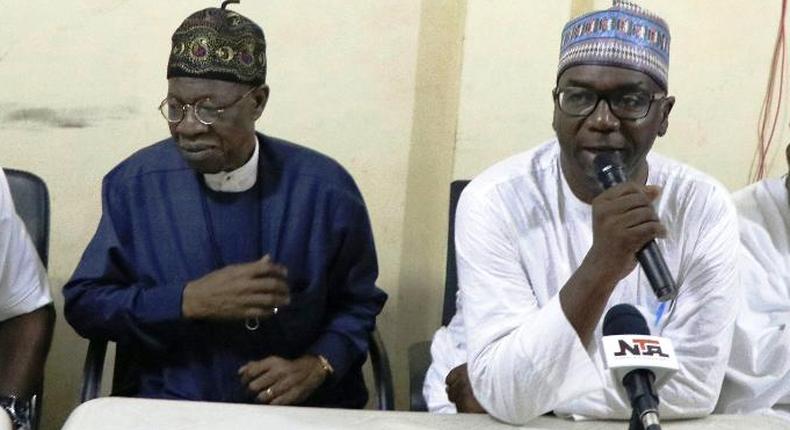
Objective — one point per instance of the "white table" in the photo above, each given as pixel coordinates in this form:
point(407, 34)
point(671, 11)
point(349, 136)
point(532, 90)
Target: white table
point(5, 421)
point(143, 414)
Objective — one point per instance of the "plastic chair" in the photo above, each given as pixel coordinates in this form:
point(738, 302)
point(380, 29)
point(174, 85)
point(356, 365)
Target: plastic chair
point(31, 199)
point(420, 352)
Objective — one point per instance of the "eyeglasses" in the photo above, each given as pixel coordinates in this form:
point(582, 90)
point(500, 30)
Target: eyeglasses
point(576, 101)
point(174, 111)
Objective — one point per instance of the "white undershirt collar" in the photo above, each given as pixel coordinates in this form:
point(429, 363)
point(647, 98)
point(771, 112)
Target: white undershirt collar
point(238, 180)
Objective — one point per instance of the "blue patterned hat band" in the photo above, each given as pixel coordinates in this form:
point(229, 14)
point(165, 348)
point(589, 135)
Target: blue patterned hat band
point(624, 35)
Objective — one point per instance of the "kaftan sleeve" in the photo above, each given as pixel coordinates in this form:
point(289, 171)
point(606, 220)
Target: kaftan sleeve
point(519, 354)
point(448, 351)
point(105, 298)
point(701, 325)
point(353, 298)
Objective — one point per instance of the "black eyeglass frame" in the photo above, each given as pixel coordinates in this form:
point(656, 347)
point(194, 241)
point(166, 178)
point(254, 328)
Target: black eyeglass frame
point(556, 92)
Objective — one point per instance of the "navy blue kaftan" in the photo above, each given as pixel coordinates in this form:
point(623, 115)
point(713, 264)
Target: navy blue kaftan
point(161, 227)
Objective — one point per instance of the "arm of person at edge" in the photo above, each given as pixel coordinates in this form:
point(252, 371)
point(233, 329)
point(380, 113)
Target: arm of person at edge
point(27, 316)
point(515, 367)
point(105, 299)
point(24, 342)
point(353, 303)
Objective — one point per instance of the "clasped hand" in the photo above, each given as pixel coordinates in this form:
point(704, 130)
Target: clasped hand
point(237, 292)
point(278, 381)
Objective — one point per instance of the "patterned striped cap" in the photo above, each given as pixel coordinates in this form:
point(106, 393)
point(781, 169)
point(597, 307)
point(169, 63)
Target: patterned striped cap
point(216, 43)
point(624, 35)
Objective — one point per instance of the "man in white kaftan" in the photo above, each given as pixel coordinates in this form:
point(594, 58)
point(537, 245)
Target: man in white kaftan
point(521, 234)
point(543, 251)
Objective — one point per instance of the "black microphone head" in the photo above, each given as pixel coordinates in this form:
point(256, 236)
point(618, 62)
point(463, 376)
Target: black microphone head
point(609, 168)
point(624, 319)
point(608, 158)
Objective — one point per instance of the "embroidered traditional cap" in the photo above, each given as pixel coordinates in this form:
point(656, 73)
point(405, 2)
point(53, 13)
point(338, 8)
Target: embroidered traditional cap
point(217, 43)
point(624, 35)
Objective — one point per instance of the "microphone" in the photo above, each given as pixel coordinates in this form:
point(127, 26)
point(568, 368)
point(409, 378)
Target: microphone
point(640, 361)
point(609, 167)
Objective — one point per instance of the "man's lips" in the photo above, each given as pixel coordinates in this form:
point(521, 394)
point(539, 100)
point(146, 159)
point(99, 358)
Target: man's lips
point(195, 147)
point(196, 153)
point(593, 151)
point(599, 149)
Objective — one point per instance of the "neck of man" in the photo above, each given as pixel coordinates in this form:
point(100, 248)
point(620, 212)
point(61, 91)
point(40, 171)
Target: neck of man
point(244, 155)
point(239, 179)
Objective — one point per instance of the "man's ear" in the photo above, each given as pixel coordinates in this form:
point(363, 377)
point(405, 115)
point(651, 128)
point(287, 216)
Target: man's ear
point(666, 107)
point(787, 155)
point(555, 113)
point(554, 121)
point(261, 97)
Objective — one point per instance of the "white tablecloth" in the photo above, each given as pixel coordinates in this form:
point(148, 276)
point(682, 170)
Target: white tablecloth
point(5, 421)
point(143, 414)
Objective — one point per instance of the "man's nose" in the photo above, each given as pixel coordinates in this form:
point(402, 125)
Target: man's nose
point(190, 125)
point(603, 118)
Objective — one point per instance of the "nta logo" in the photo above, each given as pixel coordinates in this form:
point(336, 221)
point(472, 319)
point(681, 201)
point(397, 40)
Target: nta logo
point(640, 347)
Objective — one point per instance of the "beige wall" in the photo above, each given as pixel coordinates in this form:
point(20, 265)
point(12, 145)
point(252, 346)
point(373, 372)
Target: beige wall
point(406, 94)
point(720, 57)
point(510, 60)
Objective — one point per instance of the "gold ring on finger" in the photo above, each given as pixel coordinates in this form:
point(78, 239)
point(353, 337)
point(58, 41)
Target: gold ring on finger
point(269, 393)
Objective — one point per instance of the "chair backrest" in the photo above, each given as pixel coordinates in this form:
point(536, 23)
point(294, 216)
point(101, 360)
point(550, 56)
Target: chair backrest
point(31, 199)
point(451, 273)
point(382, 373)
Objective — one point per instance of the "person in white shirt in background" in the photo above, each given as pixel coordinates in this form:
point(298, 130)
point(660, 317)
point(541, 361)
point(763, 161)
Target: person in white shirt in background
point(543, 252)
point(758, 376)
point(26, 314)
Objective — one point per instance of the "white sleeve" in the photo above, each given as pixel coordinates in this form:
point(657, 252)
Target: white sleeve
point(523, 359)
point(448, 350)
point(23, 281)
point(702, 323)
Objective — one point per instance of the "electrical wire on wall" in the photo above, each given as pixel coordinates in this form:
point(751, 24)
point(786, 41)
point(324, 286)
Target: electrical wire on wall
point(772, 103)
